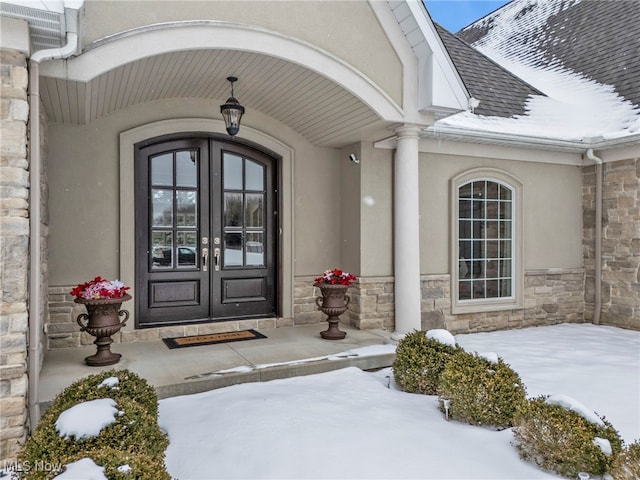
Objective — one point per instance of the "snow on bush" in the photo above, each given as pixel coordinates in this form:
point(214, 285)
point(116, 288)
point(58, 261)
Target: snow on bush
point(86, 419)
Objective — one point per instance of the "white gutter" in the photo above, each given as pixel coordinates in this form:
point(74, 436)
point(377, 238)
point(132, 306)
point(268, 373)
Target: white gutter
point(54, 53)
point(35, 199)
point(598, 236)
point(547, 143)
point(487, 137)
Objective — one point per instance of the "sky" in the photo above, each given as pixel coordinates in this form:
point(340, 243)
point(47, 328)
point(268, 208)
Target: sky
point(456, 14)
point(349, 424)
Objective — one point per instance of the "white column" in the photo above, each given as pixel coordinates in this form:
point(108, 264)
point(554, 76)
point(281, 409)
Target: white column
point(406, 232)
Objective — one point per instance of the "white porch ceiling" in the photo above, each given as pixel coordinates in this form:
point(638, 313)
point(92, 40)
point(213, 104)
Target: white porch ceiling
point(313, 105)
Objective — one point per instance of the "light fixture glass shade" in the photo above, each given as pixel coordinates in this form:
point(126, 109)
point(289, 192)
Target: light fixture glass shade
point(232, 112)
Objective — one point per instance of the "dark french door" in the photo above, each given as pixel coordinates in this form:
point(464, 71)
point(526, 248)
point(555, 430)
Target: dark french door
point(205, 232)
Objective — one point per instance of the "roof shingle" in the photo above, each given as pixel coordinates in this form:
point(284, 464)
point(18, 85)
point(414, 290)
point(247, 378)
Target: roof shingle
point(500, 93)
point(596, 38)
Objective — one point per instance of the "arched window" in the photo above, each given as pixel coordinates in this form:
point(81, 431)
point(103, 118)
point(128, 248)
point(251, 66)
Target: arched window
point(486, 265)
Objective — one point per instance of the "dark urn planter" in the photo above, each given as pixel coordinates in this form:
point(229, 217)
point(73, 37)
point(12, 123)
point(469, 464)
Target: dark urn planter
point(333, 303)
point(103, 320)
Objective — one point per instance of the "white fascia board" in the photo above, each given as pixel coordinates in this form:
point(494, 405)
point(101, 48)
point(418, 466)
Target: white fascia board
point(447, 89)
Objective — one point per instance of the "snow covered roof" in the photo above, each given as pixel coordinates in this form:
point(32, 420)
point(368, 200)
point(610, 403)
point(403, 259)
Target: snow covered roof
point(583, 55)
point(499, 92)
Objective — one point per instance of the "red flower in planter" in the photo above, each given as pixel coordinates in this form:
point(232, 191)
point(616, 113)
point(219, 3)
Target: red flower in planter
point(100, 288)
point(336, 277)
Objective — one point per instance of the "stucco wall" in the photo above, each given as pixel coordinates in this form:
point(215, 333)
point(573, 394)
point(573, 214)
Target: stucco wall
point(84, 192)
point(366, 228)
point(350, 29)
point(552, 210)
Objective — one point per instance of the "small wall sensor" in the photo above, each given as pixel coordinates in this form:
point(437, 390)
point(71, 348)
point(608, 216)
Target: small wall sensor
point(353, 158)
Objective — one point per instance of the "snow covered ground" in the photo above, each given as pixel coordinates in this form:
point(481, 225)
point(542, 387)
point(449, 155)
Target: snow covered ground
point(349, 424)
point(353, 424)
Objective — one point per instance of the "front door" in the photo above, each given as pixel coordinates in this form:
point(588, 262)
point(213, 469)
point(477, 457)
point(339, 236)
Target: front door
point(205, 232)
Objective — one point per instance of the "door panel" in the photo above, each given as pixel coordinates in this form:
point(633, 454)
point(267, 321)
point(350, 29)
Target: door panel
point(205, 232)
point(243, 223)
point(172, 212)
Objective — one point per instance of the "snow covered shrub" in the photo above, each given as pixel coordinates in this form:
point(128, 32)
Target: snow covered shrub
point(133, 431)
point(565, 440)
point(111, 411)
point(481, 392)
point(119, 465)
point(114, 384)
point(626, 465)
point(419, 362)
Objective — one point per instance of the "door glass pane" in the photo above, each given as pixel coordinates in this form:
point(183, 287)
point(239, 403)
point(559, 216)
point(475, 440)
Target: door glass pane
point(254, 210)
point(255, 249)
point(232, 249)
point(162, 207)
point(232, 169)
point(161, 248)
point(187, 208)
point(255, 176)
point(187, 168)
point(162, 169)
point(232, 209)
point(187, 245)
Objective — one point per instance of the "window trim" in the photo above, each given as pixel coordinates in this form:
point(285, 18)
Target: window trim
point(516, 300)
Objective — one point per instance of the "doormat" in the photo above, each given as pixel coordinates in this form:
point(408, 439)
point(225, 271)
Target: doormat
point(213, 338)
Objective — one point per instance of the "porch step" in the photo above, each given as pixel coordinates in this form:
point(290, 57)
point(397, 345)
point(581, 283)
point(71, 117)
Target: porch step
point(286, 352)
point(211, 382)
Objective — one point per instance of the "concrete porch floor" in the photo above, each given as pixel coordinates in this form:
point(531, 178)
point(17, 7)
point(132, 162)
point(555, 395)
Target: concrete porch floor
point(190, 370)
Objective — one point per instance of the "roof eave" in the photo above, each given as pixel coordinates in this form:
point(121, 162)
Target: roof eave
point(543, 143)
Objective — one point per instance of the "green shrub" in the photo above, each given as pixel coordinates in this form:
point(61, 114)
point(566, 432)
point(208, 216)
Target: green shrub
point(133, 435)
point(561, 440)
point(419, 363)
point(481, 392)
point(130, 386)
point(141, 467)
point(626, 465)
point(133, 432)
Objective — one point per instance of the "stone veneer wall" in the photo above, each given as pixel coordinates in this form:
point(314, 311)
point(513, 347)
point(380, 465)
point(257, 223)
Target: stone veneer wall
point(551, 296)
point(620, 243)
point(14, 252)
point(63, 330)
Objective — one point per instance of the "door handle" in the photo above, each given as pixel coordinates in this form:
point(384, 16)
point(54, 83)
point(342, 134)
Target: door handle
point(216, 259)
point(205, 259)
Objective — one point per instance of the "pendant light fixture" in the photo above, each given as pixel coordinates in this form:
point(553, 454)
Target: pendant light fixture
point(232, 111)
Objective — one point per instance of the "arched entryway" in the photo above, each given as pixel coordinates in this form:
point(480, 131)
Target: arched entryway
point(206, 230)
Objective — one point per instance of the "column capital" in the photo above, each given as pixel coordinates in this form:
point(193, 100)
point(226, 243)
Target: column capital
point(408, 131)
